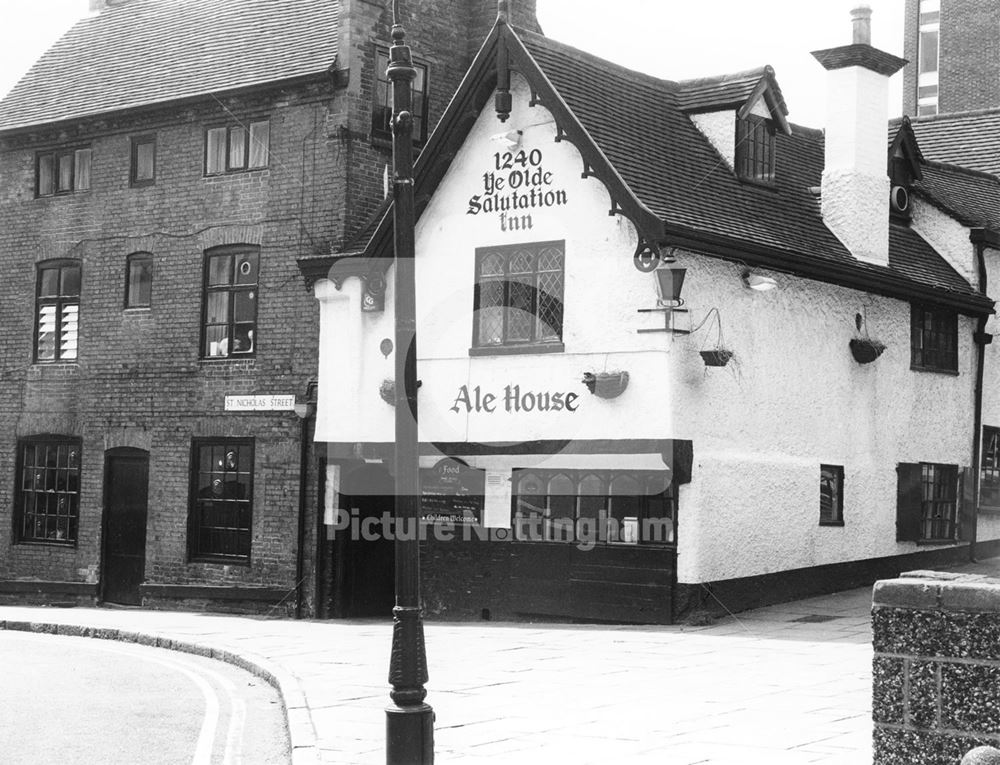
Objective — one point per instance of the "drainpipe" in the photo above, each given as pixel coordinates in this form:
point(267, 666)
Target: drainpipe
point(981, 238)
point(305, 412)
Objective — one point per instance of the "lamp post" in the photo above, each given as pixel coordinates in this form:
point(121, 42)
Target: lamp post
point(409, 725)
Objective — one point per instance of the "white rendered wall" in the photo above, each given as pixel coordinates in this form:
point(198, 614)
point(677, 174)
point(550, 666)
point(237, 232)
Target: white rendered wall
point(720, 129)
point(791, 399)
point(949, 237)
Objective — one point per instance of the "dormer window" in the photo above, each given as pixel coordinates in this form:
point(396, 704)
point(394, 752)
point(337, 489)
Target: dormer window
point(753, 101)
point(755, 149)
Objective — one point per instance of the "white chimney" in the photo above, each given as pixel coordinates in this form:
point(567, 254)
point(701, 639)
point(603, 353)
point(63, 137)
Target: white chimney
point(855, 191)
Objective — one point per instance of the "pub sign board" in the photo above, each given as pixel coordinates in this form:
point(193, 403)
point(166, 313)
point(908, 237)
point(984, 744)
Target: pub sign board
point(452, 491)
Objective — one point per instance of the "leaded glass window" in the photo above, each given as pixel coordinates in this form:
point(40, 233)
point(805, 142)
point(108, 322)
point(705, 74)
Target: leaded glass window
point(755, 149)
point(519, 295)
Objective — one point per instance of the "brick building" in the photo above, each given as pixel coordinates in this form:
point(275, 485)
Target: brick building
point(953, 50)
point(163, 167)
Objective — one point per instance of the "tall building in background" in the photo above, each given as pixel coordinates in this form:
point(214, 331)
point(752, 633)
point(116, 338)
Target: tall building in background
point(953, 51)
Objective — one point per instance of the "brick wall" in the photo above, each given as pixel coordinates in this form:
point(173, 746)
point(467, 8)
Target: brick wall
point(139, 380)
point(936, 669)
point(969, 56)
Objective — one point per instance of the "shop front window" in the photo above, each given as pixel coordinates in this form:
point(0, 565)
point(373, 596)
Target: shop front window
point(593, 507)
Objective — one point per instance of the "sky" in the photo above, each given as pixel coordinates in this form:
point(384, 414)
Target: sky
point(672, 39)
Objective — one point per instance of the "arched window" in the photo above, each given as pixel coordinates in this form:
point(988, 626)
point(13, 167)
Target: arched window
point(529, 507)
point(626, 509)
point(562, 509)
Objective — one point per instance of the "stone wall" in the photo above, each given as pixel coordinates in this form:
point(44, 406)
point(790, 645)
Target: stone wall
point(936, 668)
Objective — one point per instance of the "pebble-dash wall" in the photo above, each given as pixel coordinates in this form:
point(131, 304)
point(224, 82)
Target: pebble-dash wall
point(936, 668)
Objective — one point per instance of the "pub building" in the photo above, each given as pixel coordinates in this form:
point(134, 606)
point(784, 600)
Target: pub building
point(673, 351)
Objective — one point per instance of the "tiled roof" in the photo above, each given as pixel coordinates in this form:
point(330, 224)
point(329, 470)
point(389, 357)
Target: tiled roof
point(727, 90)
point(667, 173)
point(671, 167)
point(970, 196)
point(969, 139)
point(146, 52)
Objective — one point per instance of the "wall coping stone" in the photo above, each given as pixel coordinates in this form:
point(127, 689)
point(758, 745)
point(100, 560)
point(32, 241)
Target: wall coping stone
point(938, 590)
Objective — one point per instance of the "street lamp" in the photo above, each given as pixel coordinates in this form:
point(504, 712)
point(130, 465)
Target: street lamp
point(409, 725)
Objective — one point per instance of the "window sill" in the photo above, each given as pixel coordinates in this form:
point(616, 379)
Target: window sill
point(938, 370)
point(936, 542)
point(757, 183)
point(512, 350)
point(220, 560)
point(989, 510)
point(831, 523)
point(46, 543)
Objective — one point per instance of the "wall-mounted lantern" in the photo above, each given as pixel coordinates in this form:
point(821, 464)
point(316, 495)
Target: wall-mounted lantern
point(669, 283)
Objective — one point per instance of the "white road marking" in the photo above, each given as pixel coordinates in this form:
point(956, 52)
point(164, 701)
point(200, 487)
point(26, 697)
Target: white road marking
point(206, 738)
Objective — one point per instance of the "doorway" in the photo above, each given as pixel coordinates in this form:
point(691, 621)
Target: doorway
point(126, 490)
point(364, 570)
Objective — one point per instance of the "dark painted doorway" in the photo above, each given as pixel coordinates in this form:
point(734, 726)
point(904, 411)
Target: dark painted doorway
point(364, 568)
point(126, 488)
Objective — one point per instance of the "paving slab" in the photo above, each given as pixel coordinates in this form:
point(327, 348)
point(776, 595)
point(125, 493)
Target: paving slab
point(789, 683)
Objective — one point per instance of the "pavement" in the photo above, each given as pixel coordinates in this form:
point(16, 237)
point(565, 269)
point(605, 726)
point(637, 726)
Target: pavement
point(784, 684)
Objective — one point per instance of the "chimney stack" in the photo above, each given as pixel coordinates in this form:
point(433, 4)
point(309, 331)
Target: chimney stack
point(862, 19)
point(855, 186)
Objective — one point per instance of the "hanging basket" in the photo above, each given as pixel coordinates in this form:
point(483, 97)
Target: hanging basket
point(716, 358)
point(387, 390)
point(866, 350)
point(606, 384)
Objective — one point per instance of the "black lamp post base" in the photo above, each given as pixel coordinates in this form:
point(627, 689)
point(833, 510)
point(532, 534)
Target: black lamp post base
point(409, 735)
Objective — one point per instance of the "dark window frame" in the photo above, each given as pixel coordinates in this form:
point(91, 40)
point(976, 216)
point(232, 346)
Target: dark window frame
point(538, 342)
point(239, 534)
point(755, 149)
point(593, 506)
point(139, 141)
point(928, 503)
point(382, 100)
point(41, 485)
point(138, 260)
point(236, 134)
point(933, 339)
point(74, 184)
point(60, 301)
point(989, 477)
point(831, 502)
point(236, 333)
